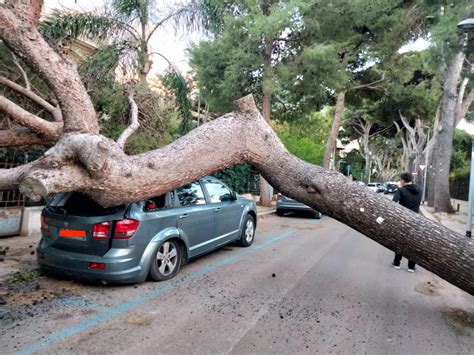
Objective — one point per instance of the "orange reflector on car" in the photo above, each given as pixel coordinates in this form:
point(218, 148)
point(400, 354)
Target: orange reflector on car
point(71, 233)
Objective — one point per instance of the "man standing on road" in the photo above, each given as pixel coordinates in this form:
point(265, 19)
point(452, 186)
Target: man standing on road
point(408, 195)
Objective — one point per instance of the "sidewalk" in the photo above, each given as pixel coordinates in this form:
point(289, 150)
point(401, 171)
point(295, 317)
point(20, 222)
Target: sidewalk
point(264, 211)
point(455, 222)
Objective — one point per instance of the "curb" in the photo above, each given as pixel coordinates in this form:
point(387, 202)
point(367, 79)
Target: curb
point(266, 213)
point(428, 215)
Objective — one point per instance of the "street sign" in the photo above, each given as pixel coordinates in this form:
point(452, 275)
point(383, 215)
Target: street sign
point(422, 167)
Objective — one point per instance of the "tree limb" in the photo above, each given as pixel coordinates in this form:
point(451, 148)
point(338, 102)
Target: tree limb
point(21, 136)
point(28, 10)
point(464, 107)
point(24, 40)
point(371, 85)
point(22, 71)
point(55, 111)
point(9, 177)
point(97, 166)
point(134, 124)
point(50, 130)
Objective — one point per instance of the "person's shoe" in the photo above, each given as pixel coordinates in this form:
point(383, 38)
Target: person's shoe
point(411, 270)
point(396, 266)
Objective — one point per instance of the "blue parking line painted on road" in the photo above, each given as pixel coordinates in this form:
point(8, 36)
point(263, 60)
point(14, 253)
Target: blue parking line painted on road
point(124, 307)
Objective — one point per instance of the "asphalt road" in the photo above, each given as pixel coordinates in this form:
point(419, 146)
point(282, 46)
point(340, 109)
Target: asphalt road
point(305, 286)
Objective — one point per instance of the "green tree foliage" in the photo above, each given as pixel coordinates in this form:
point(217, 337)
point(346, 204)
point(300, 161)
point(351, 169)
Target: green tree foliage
point(242, 178)
point(440, 24)
point(411, 88)
point(305, 137)
point(178, 85)
point(461, 157)
point(158, 116)
point(234, 62)
point(353, 164)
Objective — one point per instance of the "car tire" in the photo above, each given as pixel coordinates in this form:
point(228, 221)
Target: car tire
point(247, 235)
point(318, 215)
point(166, 261)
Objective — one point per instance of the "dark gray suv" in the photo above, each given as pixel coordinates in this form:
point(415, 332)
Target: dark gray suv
point(126, 244)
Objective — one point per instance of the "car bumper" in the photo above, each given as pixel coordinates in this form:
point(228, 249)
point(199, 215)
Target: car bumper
point(121, 265)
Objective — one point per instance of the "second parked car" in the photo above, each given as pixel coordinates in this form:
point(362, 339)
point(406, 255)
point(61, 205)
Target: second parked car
point(151, 238)
point(286, 205)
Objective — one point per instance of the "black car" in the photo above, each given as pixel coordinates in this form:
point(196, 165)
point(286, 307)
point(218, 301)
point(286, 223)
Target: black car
point(390, 189)
point(286, 205)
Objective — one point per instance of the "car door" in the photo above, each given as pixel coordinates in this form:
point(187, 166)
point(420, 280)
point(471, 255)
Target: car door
point(195, 218)
point(227, 211)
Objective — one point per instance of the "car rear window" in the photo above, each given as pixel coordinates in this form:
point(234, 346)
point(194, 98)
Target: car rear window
point(79, 204)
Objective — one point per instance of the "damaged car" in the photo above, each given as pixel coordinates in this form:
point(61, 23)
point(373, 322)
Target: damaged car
point(146, 239)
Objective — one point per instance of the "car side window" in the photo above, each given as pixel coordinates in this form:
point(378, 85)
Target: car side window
point(217, 191)
point(155, 203)
point(191, 194)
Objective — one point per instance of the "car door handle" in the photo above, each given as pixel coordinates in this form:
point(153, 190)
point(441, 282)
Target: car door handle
point(183, 216)
point(217, 209)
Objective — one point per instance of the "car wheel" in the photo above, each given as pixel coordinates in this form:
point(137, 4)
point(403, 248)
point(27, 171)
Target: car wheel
point(248, 232)
point(166, 261)
point(318, 215)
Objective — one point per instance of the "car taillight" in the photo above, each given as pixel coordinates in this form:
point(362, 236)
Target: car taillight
point(125, 228)
point(97, 266)
point(44, 223)
point(101, 230)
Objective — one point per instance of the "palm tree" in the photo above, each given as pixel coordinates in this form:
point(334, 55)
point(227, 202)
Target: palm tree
point(123, 26)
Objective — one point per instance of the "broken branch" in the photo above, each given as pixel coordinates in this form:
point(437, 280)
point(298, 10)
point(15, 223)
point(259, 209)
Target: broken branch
point(21, 136)
point(55, 111)
point(50, 130)
point(134, 124)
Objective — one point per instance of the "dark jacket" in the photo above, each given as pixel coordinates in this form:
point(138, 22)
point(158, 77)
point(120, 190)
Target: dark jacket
point(409, 196)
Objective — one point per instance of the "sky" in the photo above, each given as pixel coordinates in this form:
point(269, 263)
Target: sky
point(164, 41)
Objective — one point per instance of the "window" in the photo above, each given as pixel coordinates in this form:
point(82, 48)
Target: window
point(217, 191)
point(191, 194)
point(78, 204)
point(155, 203)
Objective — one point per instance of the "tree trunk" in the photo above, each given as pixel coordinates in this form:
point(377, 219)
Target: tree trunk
point(444, 140)
point(96, 166)
point(336, 125)
point(265, 195)
point(430, 149)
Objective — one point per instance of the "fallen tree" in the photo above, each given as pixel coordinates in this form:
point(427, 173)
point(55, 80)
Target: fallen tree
point(82, 160)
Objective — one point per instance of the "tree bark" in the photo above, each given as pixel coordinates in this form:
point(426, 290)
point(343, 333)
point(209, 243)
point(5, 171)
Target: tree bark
point(24, 40)
point(336, 125)
point(55, 111)
point(444, 140)
point(98, 167)
point(50, 130)
point(265, 198)
point(430, 151)
point(134, 124)
point(21, 136)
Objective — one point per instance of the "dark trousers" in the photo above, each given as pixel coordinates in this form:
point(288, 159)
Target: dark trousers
point(398, 258)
